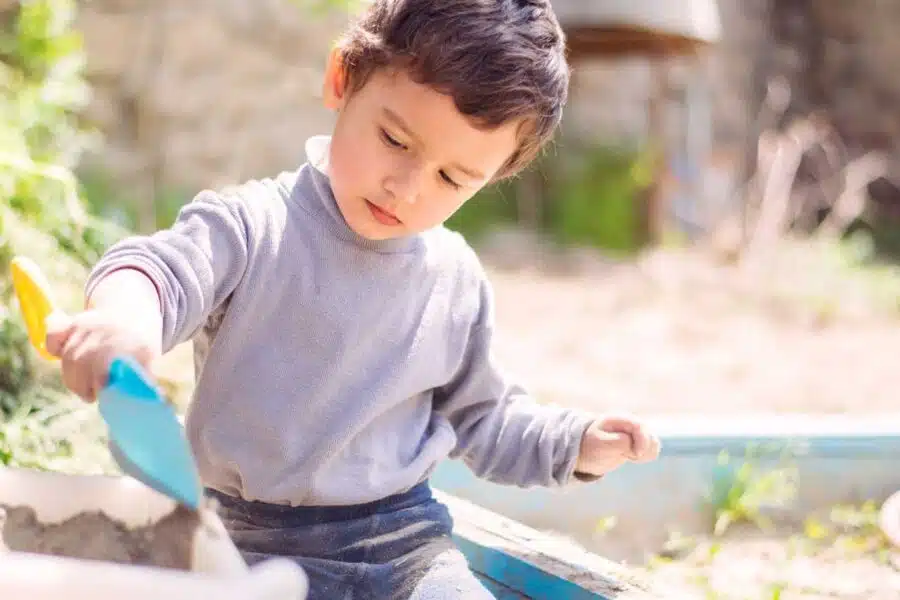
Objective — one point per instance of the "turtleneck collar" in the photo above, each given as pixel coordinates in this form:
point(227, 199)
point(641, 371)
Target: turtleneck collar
point(324, 205)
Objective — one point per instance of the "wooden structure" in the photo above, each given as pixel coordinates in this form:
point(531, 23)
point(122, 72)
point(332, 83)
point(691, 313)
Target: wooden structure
point(516, 562)
point(651, 29)
point(646, 28)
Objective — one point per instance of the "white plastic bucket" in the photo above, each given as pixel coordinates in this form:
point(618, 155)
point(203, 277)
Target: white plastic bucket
point(217, 568)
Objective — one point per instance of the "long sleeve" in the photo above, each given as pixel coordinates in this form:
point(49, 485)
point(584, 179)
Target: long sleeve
point(503, 434)
point(195, 264)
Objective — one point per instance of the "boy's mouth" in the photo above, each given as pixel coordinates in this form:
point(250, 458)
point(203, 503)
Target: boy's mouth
point(382, 216)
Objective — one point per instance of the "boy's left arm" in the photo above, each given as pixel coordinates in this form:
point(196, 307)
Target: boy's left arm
point(505, 436)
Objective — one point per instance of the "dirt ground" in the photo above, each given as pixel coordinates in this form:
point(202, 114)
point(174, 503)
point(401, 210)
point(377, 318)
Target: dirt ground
point(679, 332)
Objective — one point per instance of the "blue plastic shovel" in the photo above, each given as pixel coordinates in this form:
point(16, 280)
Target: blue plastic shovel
point(145, 437)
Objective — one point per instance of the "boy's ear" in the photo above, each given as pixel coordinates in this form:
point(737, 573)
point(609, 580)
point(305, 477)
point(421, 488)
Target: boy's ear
point(335, 85)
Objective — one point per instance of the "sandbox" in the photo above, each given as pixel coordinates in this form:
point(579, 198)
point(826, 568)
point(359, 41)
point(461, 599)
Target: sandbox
point(100, 537)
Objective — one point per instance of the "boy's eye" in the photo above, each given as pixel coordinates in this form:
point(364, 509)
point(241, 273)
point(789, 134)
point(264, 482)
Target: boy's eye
point(449, 181)
point(390, 140)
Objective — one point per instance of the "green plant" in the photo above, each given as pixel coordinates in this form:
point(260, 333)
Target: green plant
point(16, 366)
point(743, 493)
point(490, 207)
point(321, 6)
point(42, 91)
point(591, 198)
point(595, 200)
point(50, 430)
point(112, 204)
point(853, 529)
point(745, 488)
point(43, 213)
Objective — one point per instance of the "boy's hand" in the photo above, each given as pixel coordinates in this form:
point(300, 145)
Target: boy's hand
point(87, 342)
point(611, 442)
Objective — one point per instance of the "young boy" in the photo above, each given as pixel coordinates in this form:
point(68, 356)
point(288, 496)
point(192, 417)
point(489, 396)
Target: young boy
point(342, 335)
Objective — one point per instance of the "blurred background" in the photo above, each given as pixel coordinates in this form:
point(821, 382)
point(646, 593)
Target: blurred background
point(715, 229)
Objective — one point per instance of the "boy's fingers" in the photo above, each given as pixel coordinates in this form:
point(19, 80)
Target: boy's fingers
point(621, 424)
point(622, 441)
point(59, 328)
point(636, 443)
point(630, 428)
point(101, 377)
point(641, 444)
point(657, 447)
point(76, 383)
point(650, 449)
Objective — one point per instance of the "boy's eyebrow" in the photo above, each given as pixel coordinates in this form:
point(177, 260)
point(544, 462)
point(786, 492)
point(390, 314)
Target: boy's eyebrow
point(399, 122)
point(468, 172)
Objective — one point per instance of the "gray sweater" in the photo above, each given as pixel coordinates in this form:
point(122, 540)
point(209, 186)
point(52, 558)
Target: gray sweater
point(332, 369)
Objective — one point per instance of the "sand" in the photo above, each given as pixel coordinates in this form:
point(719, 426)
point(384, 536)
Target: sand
point(771, 567)
point(167, 543)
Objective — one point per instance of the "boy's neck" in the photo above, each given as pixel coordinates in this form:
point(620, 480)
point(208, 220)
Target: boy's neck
point(317, 157)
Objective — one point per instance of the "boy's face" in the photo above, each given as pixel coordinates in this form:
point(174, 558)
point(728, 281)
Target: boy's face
point(403, 158)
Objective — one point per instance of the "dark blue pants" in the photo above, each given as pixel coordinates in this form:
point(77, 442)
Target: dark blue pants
point(398, 547)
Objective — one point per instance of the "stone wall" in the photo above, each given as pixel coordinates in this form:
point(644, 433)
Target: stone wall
point(198, 93)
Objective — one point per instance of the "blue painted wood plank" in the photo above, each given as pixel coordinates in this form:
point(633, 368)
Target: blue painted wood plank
point(500, 591)
point(520, 577)
point(532, 564)
point(825, 446)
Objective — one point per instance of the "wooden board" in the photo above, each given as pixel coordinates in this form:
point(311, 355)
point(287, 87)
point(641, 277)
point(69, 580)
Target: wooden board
point(648, 28)
point(516, 561)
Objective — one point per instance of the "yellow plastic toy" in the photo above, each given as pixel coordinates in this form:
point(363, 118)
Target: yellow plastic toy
point(35, 301)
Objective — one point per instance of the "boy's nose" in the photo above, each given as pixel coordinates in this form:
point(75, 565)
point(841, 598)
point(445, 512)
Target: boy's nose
point(404, 186)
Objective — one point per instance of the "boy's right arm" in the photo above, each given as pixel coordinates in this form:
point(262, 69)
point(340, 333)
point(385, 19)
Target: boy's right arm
point(131, 295)
point(194, 265)
point(149, 293)
point(122, 318)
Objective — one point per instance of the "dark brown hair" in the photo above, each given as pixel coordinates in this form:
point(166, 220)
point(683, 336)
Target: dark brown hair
point(499, 60)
